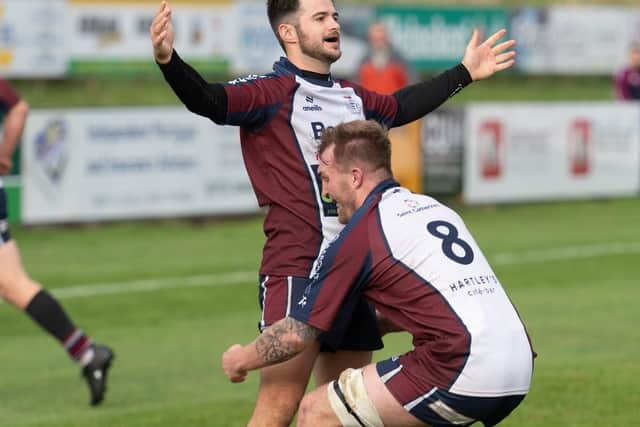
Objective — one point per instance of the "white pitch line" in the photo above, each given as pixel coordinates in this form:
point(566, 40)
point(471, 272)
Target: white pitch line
point(148, 285)
point(572, 252)
point(207, 280)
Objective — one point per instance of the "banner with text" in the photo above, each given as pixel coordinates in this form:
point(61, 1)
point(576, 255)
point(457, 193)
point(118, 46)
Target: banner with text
point(33, 38)
point(114, 39)
point(106, 164)
point(574, 39)
point(442, 149)
point(435, 38)
point(518, 152)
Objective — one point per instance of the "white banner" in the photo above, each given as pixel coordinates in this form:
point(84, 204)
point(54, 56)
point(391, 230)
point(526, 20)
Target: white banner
point(517, 152)
point(33, 39)
point(103, 164)
point(104, 31)
point(574, 39)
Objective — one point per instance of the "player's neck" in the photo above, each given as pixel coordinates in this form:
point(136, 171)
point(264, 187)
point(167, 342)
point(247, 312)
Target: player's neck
point(307, 63)
point(365, 190)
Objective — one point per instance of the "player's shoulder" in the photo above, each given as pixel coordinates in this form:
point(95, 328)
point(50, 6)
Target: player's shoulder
point(348, 83)
point(250, 78)
point(399, 205)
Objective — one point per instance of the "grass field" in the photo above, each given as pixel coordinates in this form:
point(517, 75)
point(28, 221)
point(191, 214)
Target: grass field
point(170, 297)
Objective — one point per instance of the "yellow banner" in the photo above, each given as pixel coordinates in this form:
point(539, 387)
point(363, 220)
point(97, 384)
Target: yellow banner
point(406, 156)
point(147, 2)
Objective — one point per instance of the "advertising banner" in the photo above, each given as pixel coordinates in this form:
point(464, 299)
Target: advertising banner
point(518, 152)
point(33, 43)
point(442, 149)
point(106, 164)
point(574, 39)
point(435, 38)
point(113, 38)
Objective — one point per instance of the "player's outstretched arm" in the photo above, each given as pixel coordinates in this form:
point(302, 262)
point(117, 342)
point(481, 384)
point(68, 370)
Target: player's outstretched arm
point(484, 59)
point(162, 34)
point(278, 343)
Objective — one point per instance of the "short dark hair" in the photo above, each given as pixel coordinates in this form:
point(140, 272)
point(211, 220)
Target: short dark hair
point(360, 140)
point(278, 11)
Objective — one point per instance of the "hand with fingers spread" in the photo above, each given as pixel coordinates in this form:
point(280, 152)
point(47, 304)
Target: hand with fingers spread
point(484, 59)
point(162, 34)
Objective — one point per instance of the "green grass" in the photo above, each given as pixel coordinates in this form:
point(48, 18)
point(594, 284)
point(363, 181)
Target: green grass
point(581, 315)
point(154, 91)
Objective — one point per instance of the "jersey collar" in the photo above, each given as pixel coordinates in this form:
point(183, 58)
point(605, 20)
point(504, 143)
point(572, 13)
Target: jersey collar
point(286, 67)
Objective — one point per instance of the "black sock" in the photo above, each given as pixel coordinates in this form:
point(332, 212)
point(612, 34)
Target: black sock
point(49, 314)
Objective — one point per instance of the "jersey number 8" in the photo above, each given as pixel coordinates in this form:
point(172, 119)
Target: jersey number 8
point(450, 239)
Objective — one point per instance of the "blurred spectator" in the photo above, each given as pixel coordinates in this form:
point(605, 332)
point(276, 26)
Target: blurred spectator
point(383, 69)
point(627, 81)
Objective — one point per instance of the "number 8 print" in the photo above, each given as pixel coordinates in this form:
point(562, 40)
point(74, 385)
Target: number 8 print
point(450, 239)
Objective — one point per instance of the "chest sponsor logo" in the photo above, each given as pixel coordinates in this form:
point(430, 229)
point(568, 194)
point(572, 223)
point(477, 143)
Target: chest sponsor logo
point(353, 105)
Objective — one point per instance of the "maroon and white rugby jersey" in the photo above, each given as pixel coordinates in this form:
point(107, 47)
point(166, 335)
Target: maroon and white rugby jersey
point(281, 117)
point(416, 262)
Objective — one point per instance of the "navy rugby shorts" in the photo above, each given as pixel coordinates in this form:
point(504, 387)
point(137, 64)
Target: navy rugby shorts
point(4, 224)
point(355, 327)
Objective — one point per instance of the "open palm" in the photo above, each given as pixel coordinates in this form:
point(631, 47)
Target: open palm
point(162, 34)
point(484, 59)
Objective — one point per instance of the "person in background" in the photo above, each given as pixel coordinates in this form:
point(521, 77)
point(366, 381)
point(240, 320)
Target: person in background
point(383, 69)
point(17, 288)
point(627, 80)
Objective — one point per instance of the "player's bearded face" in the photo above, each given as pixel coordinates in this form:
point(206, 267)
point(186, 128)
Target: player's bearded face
point(323, 47)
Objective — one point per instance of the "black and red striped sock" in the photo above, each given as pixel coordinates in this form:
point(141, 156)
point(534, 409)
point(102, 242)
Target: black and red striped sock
point(49, 314)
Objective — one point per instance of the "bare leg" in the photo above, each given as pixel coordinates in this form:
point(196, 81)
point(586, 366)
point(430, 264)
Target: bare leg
point(15, 285)
point(315, 408)
point(281, 389)
point(329, 365)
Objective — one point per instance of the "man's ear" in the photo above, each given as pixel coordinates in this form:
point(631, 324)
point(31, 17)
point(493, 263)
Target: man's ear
point(356, 177)
point(288, 33)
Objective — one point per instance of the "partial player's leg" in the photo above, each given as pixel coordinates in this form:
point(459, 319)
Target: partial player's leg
point(355, 336)
point(28, 296)
point(281, 386)
point(281, 389)
point(357, 399)
point(330, 365)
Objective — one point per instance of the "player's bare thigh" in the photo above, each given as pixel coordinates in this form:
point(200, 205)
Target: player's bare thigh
point(15, 286)
point(316, 408)
point(330, 365)
point(390, 410)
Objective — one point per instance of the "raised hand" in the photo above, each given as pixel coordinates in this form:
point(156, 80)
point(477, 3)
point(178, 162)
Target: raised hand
point(484, 59)
point(162, 34)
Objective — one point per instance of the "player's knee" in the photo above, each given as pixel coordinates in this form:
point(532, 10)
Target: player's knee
point(307, 411)
point(279, 411)
point(17, 289)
